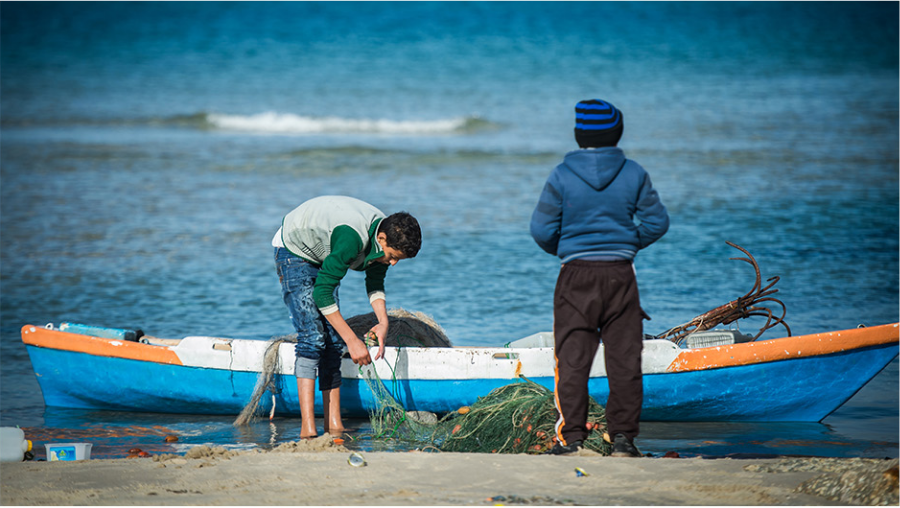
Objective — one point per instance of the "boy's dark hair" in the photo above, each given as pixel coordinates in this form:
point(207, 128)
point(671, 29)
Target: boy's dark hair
point(403, 233)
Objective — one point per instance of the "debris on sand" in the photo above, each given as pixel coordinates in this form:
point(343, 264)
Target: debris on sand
point(857, 481)
point(323, 443)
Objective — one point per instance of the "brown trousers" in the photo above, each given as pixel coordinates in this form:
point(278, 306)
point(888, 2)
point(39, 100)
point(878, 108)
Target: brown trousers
point(594, 301)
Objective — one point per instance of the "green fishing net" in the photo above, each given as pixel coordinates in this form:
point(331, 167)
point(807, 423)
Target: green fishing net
point(516, 418)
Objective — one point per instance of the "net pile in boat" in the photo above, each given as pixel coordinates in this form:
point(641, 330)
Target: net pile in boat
point(516, 418)
point(405, 329)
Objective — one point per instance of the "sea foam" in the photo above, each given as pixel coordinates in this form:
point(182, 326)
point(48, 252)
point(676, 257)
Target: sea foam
point(273, 122)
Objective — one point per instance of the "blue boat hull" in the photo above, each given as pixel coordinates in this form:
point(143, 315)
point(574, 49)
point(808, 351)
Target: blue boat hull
point(801, 389)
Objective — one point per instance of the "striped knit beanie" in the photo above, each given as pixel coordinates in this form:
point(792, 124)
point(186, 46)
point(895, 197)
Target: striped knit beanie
point(597, 123)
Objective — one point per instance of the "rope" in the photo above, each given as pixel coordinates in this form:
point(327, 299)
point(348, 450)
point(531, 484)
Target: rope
point(266, 381)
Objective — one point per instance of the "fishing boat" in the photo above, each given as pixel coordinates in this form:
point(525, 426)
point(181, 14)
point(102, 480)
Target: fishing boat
point(800, 378)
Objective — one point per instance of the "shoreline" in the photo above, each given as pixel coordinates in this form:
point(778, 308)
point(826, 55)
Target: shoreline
point(317, 472)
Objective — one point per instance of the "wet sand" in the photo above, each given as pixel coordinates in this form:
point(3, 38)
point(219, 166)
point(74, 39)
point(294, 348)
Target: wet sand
point(318, 473)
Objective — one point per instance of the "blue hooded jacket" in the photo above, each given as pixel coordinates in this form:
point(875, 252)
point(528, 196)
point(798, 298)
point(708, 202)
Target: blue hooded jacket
point(589, 203)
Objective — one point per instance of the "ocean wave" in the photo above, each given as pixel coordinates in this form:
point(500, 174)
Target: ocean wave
point(276, 123)
point(286, 123)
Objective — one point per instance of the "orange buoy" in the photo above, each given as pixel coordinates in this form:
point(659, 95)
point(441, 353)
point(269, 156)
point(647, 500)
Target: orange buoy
point(135, 451)
point(143, 454)
point(171, 438)
point(455, 429)
point(463, 410)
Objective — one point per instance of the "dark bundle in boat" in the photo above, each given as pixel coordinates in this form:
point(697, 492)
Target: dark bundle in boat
point(405, 329)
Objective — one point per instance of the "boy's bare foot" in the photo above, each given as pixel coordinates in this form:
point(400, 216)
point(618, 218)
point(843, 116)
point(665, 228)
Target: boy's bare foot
point(335, 431)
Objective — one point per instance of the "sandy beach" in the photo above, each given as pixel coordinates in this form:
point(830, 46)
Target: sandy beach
point(318, 472)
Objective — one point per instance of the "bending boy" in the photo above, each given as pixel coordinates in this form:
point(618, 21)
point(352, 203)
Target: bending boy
point(317, 243)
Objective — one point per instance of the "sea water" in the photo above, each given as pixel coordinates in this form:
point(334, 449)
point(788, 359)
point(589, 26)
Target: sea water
point(149, 151)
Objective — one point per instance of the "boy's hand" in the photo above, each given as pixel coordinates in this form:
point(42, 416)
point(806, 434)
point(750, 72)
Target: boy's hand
point(376, 336)
point(359, 353)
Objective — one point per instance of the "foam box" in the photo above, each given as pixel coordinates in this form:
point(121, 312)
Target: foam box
point(68, 451)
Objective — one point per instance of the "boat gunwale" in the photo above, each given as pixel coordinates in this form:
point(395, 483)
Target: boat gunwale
point(39, 336)
point(692, 359)
point(773, 350)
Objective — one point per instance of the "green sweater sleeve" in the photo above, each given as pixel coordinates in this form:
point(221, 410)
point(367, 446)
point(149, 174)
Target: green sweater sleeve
point(345, 247)
point(375, 280)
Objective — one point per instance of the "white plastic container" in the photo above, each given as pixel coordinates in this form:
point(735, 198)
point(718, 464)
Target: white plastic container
point(540, 339)
point(13, 444)
point(68, 451)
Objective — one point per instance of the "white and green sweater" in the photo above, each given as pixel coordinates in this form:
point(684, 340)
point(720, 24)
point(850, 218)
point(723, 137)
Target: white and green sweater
point(336, 233)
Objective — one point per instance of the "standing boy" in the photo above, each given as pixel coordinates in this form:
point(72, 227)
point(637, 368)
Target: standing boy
point(585, 216)
point(318, 242)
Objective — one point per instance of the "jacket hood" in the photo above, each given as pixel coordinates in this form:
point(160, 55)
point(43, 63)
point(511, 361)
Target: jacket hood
point(598, 167)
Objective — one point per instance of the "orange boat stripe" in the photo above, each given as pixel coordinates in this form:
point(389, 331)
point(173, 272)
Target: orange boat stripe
point(816, 344)
point(114, 348)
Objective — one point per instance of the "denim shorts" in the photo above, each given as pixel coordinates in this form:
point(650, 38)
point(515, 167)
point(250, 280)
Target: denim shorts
point(318, 345)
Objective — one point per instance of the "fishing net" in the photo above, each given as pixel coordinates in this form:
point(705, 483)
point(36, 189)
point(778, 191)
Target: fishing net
point(521, 417)
point(405, 328)
point(389, 419)
point(516, 418)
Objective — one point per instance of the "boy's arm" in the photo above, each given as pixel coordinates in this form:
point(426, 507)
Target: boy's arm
point(546, 220)
point(375, 274)
point(345, 247)
point(652, 213)
point(375, 288)
point(381, 328)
